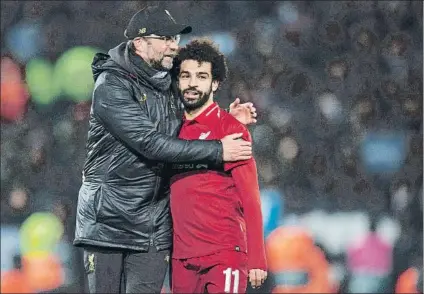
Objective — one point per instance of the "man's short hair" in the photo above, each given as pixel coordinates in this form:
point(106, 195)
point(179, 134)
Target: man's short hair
point(203, 50)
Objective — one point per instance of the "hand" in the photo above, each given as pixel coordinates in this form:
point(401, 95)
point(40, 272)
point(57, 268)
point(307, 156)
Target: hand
point(257, 277)
point(235, 148)
point(244, 113)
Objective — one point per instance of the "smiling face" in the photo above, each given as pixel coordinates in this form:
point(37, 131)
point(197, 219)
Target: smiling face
point(195, 84)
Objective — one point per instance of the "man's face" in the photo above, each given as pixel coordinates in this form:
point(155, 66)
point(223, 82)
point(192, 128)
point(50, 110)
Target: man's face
point(195, 83)
point(158, 51)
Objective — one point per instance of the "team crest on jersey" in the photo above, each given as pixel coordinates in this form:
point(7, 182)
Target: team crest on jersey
point(203, 136)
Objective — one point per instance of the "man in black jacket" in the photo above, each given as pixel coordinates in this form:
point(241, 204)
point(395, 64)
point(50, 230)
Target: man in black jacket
point(123, 219)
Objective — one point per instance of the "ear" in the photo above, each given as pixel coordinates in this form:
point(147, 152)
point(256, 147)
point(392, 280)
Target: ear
point(137, 44)
point(215, 85)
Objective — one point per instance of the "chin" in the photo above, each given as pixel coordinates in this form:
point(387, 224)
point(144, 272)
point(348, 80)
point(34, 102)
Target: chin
point(191, 103)
point(167, 65)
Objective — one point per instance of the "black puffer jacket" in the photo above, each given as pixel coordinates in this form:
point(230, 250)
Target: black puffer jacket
point(123, 202)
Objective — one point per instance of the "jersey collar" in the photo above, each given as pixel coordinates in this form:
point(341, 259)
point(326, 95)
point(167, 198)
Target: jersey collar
point(208, 116)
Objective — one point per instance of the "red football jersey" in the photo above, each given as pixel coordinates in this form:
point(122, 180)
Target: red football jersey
point(215, 210)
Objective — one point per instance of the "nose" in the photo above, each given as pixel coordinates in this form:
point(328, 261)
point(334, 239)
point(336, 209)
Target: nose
point(192, 82)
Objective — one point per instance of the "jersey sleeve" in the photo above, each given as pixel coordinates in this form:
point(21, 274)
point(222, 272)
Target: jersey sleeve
point(246, 181)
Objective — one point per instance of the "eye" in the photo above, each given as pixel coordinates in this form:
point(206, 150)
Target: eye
point(203, 77)
point(183, 76)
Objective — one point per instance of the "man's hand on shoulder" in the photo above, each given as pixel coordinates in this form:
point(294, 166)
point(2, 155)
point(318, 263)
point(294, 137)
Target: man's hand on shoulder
point(235, 148)
point(243, 112)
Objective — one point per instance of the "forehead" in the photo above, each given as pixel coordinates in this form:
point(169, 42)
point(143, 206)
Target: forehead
point(190, 65)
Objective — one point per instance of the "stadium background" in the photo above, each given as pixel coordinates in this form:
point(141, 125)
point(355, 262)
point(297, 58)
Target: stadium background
point(337, 85)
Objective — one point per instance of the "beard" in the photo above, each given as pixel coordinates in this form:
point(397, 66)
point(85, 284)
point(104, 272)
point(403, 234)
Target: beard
point(162, 64)
point(193, 104)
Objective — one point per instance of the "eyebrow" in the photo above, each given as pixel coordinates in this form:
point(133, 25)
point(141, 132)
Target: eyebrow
point(199, 73)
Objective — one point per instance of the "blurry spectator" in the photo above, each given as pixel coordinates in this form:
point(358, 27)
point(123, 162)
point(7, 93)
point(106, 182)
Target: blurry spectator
point(13, 94)
point(15, 280)
point(411, 106)
point(407, 254)
point(272, 203)
point(410, 281)
point(332, 33)
point(369, 263)
point(404, 203)
point(324, 182)
point(288, 153)
point(395, 57)
point(297, 264)
point(338, 69)
point(18, 199)
point(57, 39)
point(365, 40)
point(365, 111)
point(267, 170)
point(44, 271)
point(408, 249)
point(62, 209)
point(15, 207)
point(265, 134)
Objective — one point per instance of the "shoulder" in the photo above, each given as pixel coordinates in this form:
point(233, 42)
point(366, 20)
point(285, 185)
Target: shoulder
point(110, 78)
point(113, 86)
point(231, 125)
point(119, 76)
point(229, 121)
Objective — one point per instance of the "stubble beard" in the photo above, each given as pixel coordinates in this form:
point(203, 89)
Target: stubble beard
point(162, 64)
point(193, 105)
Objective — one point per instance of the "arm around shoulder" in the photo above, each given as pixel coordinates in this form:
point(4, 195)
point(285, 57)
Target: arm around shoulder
point(122, 116)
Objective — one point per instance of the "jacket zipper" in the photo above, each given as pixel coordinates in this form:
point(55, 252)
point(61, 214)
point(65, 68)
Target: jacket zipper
point(152, 230)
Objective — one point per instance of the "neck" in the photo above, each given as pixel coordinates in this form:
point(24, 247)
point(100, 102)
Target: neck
point(192, 114)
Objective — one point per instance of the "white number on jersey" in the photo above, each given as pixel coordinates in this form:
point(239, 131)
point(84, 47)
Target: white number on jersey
point(228, 273)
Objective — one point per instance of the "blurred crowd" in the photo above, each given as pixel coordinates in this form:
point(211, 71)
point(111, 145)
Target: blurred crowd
point(339, 90)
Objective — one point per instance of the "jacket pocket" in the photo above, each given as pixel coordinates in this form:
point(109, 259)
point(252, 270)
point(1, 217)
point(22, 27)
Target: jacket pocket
point(98, 203)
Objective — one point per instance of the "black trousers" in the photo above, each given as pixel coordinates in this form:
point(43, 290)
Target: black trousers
point(125, 272)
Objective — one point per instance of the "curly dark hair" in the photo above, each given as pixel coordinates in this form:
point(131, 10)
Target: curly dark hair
point(203, 50)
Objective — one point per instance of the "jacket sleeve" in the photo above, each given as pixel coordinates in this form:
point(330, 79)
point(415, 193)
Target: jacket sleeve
point(123, 117)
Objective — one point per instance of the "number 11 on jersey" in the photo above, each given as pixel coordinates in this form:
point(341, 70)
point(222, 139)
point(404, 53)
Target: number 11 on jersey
point(228, 273)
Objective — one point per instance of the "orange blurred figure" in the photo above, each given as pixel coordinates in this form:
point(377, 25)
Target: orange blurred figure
point(297, 264)
point(13, 93)
point(407, 282)
point(43, 271)
point(14, 281)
